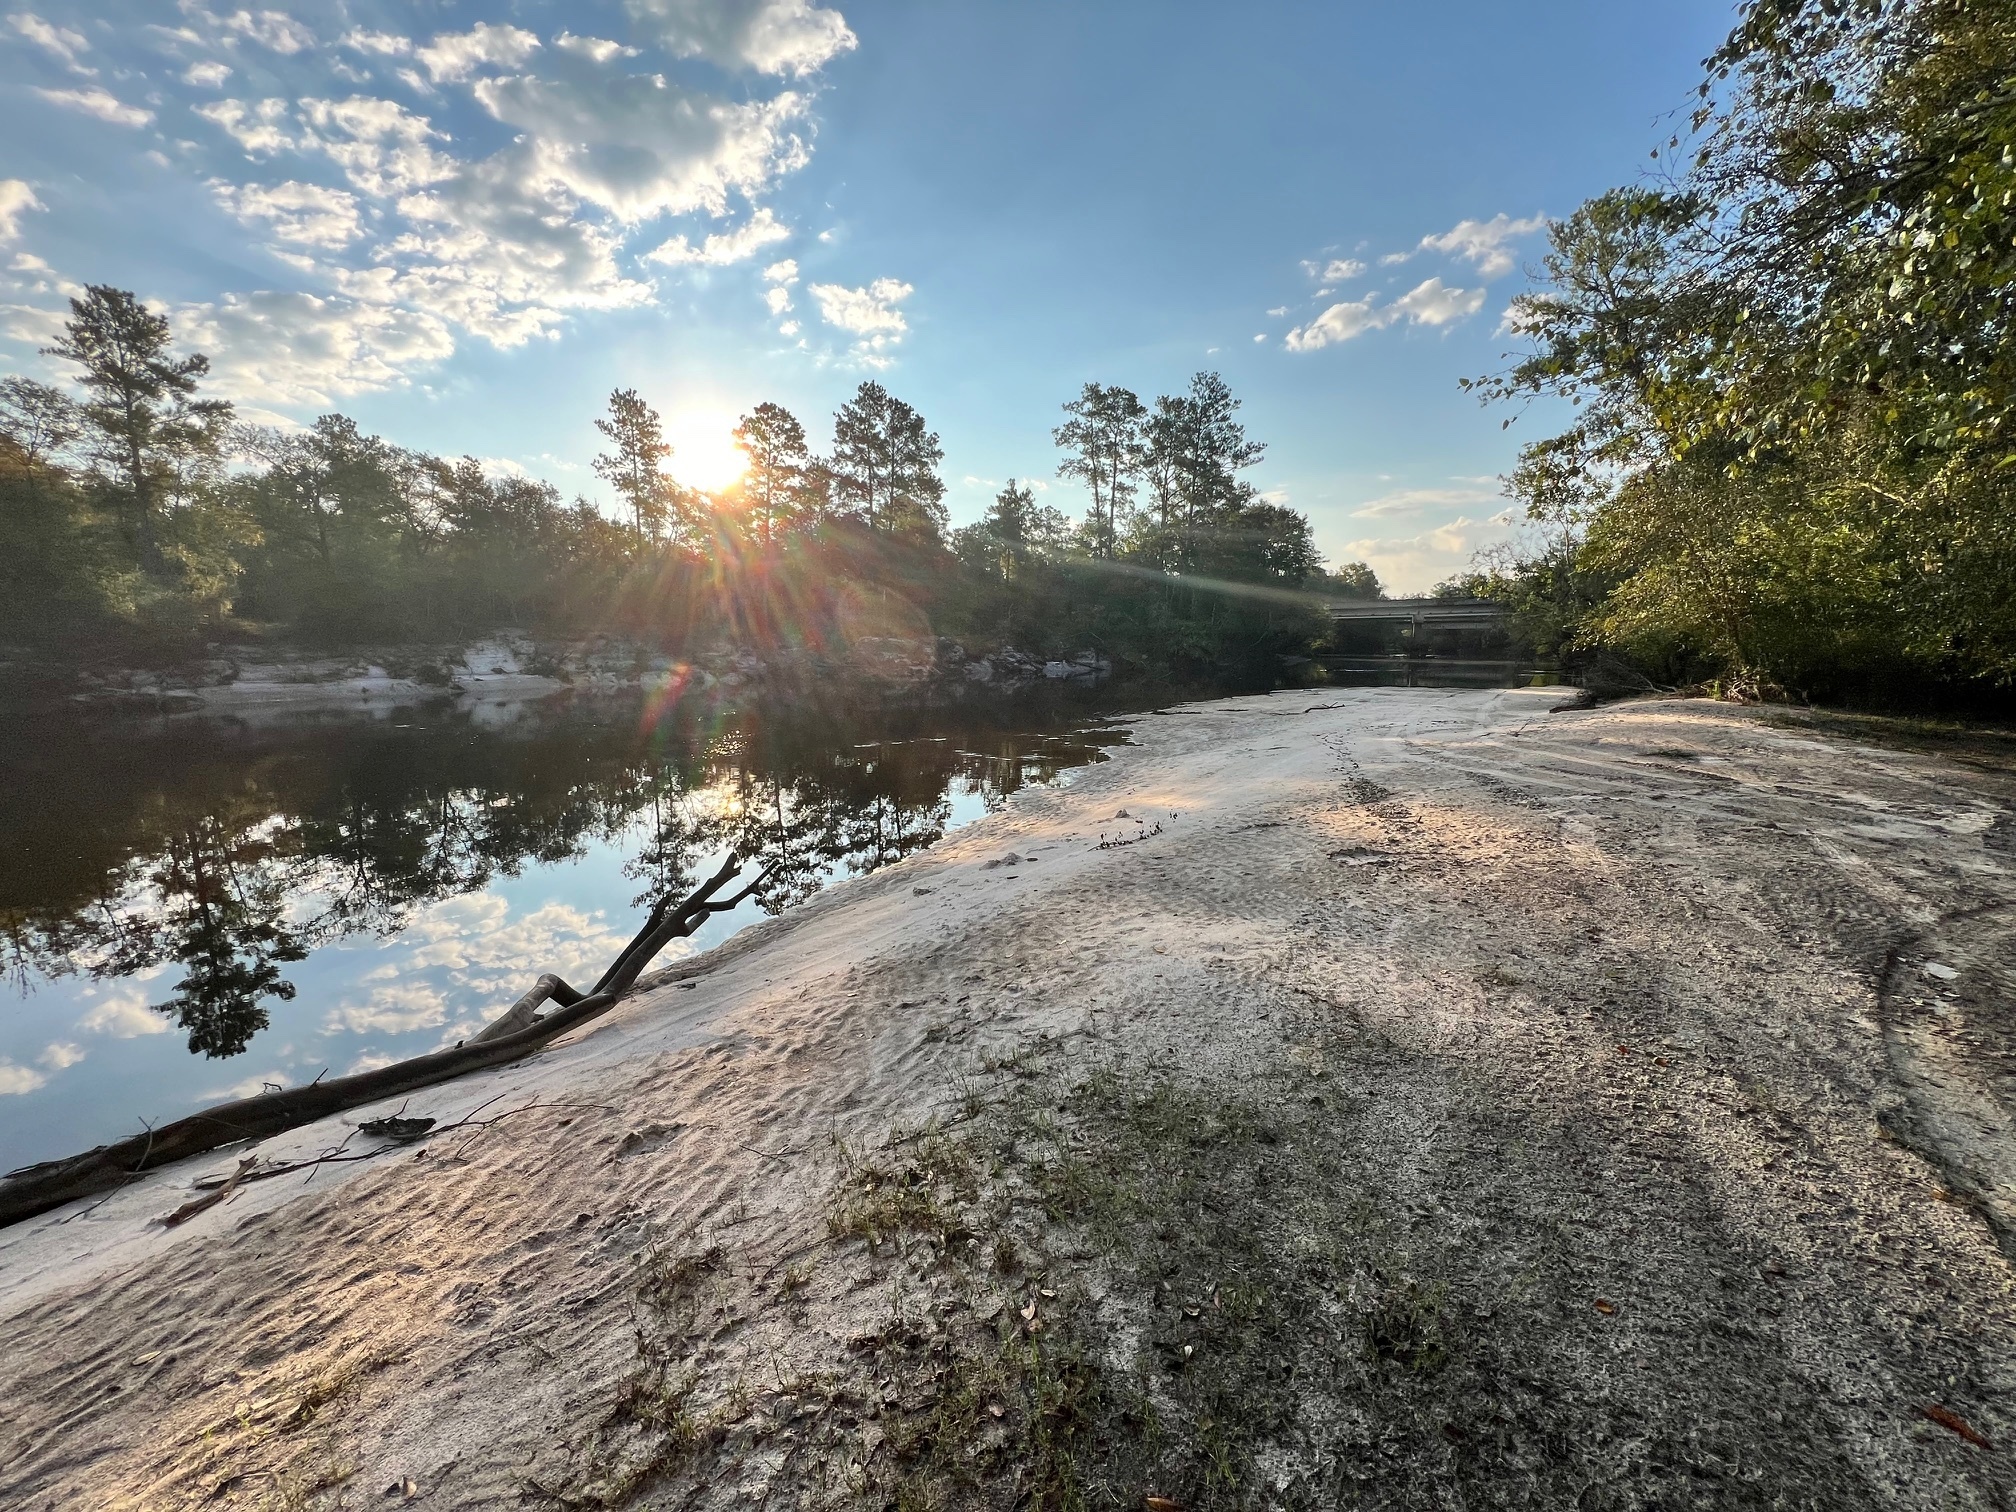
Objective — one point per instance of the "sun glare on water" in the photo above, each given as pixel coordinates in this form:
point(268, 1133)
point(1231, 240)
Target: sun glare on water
point(704, 454)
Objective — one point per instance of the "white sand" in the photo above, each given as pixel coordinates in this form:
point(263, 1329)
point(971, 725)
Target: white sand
point(1451, 870)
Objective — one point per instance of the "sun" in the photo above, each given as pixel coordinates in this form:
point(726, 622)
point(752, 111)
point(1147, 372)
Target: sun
point(704, 454)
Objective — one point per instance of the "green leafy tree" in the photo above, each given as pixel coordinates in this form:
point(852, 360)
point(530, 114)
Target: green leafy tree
point(328, 482)
point(1354, 580)
point(885, 463)
point(1793, 363)
point(1014, 532)
point(38, 422)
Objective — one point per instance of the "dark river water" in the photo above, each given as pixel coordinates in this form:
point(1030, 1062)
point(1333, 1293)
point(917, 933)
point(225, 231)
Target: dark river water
point(194, 909)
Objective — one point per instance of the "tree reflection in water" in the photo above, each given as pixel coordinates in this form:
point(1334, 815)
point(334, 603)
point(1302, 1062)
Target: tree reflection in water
point(233, 854)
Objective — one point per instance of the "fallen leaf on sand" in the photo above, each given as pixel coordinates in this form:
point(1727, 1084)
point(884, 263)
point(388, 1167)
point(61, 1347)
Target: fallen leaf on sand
point(1605, 1306)
point(1952, 1422)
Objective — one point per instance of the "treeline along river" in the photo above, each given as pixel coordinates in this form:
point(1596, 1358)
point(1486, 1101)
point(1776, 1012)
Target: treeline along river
point(194, 908)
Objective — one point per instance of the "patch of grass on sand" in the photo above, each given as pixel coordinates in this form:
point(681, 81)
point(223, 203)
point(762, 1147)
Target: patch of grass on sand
point(1161, 1274)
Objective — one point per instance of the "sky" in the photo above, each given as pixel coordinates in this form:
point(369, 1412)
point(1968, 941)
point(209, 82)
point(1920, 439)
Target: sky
point(464, 222)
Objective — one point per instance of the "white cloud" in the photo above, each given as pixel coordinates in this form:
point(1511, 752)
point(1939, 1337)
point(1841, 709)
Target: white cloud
point(1409, 501)
point(256, 128)
point(1433, 304)
point(382, 44)
point(1278, 311)
point(1335, 271)
point(870, 315)
point(270, 29)
point(100, 103)
point(1262, 336)
point(64, 43)
point(595, 49)
point(724, 247)
point(31, 325)
point(454, 56)
point(781, 276)
point(298, 349)
point(1340, 322)
point(383, 149)
point(1483, 243)
point(770, 36)
point(496, 257)
point(422, 241)
point(1412, 564)
point(61, 1056)
point(251, 1086)
point(472, 947)
point(16, 200)
point(18, 1080)
point(1429, 303)
point(398, 1009)
point(124, 1014)
point(310, 214)
point(637, 147)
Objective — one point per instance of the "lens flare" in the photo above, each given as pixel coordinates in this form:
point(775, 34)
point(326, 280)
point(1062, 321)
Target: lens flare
point(704, 453)
point(662, 697)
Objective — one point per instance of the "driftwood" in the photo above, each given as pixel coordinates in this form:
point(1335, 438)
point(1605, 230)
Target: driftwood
point(38, 1188)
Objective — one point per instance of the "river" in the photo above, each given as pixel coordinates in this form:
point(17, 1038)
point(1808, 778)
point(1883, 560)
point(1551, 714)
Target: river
point(195, 908)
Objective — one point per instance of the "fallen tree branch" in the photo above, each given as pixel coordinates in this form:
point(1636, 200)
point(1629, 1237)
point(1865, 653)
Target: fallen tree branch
point(39, 1188)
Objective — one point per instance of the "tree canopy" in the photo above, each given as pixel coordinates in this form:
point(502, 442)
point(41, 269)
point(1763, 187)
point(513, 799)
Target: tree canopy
point(138, 517)
point(1790, 359)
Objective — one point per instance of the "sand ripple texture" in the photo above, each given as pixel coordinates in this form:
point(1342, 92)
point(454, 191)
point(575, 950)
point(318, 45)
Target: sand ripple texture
point(1675, 1041)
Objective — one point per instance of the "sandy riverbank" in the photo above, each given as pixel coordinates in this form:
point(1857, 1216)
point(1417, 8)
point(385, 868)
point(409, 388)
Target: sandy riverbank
point(1452, 1104)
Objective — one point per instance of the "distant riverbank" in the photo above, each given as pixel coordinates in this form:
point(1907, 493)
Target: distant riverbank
point(255, 678)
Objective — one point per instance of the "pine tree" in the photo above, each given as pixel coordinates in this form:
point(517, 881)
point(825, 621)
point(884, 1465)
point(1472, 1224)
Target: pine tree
point(147, 425)
point(885, 464)
point(1106, 437)
point(635, 466)
point(782, 486)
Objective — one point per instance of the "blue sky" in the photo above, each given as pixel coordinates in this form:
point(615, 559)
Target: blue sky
point(465, 221)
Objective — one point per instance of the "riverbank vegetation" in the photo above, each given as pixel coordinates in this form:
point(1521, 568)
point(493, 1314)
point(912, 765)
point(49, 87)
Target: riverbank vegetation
point(1791, 354)
point(141, 520)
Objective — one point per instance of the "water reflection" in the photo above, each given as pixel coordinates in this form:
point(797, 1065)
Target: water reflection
point(199, 876)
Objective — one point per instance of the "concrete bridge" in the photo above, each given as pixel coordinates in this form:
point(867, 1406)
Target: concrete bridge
point(1422, 613)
